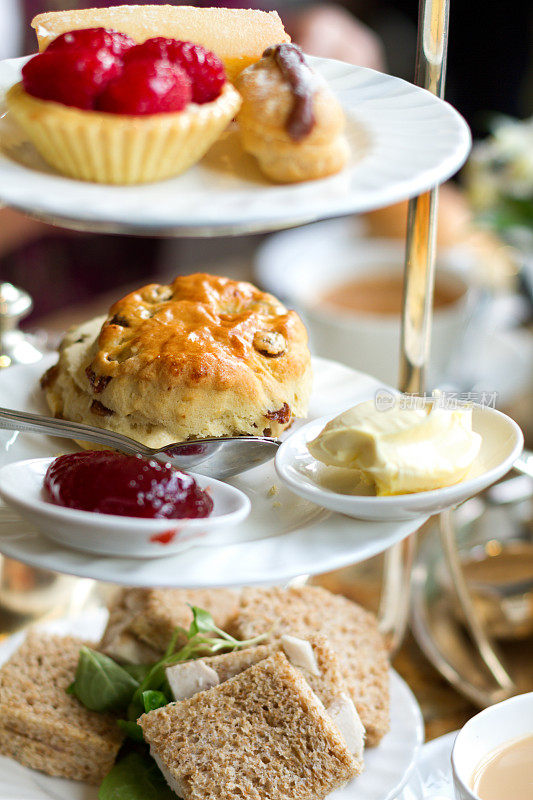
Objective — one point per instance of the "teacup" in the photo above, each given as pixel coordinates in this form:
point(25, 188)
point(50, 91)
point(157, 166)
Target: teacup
point(305, 269)
point(485, 733)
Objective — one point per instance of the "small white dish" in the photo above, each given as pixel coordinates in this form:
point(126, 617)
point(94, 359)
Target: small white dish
point(21, 487)
point(502, 443)
point(387, 767)
point(486, 732)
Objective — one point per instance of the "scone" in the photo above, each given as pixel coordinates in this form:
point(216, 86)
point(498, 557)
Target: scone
point(100, 108)
point(205, 356)
point(289, 118)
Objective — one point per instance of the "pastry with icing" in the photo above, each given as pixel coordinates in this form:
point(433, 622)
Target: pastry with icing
point(289, 118)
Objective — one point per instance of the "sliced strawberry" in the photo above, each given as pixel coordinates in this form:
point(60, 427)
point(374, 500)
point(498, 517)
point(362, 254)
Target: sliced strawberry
point(146, 87)
point(72, 77)
point(93, 39)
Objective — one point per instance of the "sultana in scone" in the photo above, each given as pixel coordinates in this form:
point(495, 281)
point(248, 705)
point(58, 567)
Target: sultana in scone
point(289, 118)
point(205, 356)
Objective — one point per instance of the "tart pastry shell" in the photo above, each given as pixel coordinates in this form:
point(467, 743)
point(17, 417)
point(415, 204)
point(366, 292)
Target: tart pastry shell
point(119, 149)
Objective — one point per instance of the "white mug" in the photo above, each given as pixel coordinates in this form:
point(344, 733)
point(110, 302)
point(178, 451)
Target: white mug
point(300, 268)
point(486, 732)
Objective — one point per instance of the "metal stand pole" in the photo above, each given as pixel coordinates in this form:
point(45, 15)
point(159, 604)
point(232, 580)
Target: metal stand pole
point(417, 304)
point(16, 347)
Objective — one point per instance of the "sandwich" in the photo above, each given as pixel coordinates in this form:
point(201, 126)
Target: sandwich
point(42, 726)
point(351, 631)
point(142, 621)
point(147, 618)
point(313, 658)
point(263, 734)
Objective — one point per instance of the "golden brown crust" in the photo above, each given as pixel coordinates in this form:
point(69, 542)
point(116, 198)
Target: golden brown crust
point(191, 359)
point(267, 102)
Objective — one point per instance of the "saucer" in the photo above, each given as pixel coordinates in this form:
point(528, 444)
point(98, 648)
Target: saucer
point(21, 487)
point(502, 443)
point(432, 777)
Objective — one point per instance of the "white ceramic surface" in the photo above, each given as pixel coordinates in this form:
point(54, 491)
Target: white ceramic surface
point(387, 767)
point(403, 141)
point(432, 777)
point(502, 443)
point(486, 732)
point(291, 265)
point(21, 487)
point(283, 536)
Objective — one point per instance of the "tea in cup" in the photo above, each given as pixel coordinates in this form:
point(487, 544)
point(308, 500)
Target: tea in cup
point(492, 757)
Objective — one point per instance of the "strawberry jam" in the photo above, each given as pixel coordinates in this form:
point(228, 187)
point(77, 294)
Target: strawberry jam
point(127, 486)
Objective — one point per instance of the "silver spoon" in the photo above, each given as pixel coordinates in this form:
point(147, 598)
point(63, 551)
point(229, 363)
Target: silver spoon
point(218, 457)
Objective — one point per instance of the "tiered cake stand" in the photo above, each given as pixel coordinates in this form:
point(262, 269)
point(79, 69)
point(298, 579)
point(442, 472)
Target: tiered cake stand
point(404, 140)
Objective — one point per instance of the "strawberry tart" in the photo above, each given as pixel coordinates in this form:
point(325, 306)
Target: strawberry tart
point(99, 107)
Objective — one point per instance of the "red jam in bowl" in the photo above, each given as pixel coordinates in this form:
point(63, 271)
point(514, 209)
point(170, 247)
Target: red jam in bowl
point(127, 486)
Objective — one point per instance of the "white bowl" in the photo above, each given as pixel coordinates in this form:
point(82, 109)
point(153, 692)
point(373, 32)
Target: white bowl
point(300, 265)
point(21, 486)
point(486, 732)
point(502, 443)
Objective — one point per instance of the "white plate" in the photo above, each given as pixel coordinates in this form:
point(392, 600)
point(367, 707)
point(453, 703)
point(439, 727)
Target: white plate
point(403, 141)
point(432, 777)
point(502, 443)
point(21, 487)
point(283, 536)
point(387, 767)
